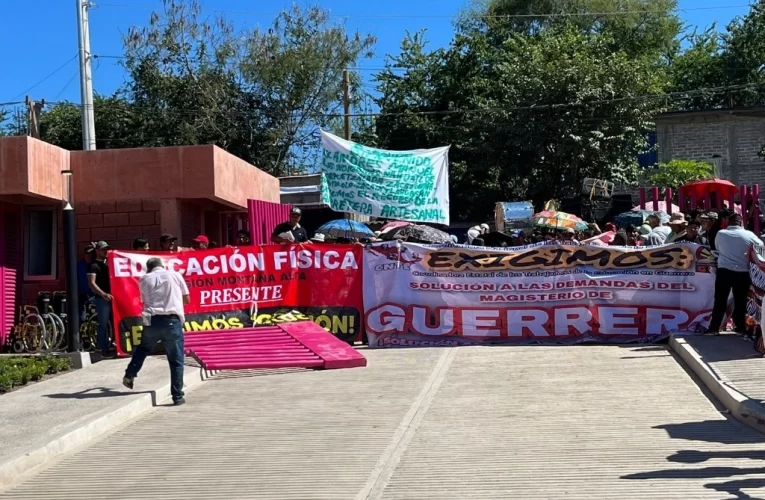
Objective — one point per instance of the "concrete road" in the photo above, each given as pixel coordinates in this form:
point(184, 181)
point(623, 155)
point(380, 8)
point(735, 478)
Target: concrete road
point(582, 422)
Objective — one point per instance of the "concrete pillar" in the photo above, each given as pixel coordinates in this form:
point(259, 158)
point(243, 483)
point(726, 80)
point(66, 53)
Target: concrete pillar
point(170, 217)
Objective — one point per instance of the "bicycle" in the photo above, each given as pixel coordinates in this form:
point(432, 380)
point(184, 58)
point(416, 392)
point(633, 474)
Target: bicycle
point(29, 334)
point(89, 329)
point(59, 310)
point(54, 326)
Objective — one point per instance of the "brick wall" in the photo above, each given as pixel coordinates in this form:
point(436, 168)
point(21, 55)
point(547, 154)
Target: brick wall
point(191, 222)
point(734, 139)
point(118, 222)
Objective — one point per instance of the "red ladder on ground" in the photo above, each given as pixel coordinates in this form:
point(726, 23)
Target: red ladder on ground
point(303, 344)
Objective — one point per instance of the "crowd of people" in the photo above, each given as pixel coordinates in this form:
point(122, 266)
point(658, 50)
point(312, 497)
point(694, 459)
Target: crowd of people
point(658, 229)
point(722, 231)
point(164, 293)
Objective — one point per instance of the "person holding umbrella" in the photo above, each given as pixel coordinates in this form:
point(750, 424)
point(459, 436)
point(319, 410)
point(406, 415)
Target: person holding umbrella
point(568, 236)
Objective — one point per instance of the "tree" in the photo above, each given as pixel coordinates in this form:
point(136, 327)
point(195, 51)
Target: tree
point(531, 105)
point(117, 124)
point(676, 173)
point(729, 65)
point(260, 94)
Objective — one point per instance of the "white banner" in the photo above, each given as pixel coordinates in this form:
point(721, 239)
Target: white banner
point(453, 295)
point(402, 185)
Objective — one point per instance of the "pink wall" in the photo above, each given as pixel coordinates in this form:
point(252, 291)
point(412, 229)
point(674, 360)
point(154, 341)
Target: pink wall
point(30, 167)
point(183, 172)
point(10, 266)
point(264, 216)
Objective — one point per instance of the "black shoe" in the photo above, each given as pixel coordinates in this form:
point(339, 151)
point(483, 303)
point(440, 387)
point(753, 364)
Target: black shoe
point(128, 381)
point(179, 402)
point(711, 332)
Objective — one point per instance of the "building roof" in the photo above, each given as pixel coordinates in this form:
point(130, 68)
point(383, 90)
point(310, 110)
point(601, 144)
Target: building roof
point(32, 170)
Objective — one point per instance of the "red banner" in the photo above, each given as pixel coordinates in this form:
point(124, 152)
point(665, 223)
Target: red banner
point(246, 286)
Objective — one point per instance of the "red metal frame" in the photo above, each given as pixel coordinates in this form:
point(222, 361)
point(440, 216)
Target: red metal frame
point(746, 194)
point(264, 216)
point(303, 344)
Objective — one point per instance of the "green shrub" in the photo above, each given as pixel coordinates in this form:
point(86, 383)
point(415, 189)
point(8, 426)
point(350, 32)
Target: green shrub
point(16, 371)
point(6, 384)
point(37, 371)
point(55, 364)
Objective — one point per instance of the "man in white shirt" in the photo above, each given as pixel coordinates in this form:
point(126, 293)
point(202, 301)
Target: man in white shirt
point(659, 233)
point(733, 246)
point(163, 294)
point(476, 231)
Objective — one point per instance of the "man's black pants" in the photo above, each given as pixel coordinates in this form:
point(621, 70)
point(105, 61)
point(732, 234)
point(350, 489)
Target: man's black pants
point(726, 281)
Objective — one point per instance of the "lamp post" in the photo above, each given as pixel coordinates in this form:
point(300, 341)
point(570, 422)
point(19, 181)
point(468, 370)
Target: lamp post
point(70, 266)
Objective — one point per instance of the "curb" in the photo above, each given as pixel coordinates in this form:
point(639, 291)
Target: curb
point(745, 409)
point(100, 423)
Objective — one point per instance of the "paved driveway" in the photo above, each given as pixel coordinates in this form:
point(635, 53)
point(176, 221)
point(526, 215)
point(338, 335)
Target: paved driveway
point(582, 422)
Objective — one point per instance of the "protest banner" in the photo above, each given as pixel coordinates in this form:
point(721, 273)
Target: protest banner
point(754, 301)
point(403, 185)
point(247, 286)
point(456, 295)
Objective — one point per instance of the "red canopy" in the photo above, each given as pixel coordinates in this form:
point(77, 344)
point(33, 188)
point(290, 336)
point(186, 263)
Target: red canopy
point(700, 189)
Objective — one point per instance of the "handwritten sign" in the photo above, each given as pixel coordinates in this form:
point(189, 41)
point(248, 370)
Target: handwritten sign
point(402, 185)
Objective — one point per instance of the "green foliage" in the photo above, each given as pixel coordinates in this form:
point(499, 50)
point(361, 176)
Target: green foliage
point(679, 172)
point(16, 371)
point(260, 94)
point(730, 64)
point(527, 145)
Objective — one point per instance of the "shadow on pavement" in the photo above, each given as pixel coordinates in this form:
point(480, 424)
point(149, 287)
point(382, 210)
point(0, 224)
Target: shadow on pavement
point(734, 488)
point(697, 457)
point(713, 431)
point(725, 347)
point(96, 392)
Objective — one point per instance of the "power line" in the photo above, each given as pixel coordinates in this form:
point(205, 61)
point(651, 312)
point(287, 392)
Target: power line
point(44, 79)
point(68, 83)
point(454, 16)
point(351, 68)
point(539, 107)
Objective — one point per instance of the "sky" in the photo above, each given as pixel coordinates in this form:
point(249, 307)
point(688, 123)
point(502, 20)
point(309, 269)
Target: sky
point(40, 52)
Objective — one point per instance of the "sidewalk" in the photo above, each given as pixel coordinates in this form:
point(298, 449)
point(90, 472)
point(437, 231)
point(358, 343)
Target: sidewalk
point(467, 423)
point(731, 368)
point(52, 417)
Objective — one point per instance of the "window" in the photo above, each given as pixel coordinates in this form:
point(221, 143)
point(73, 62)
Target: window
point(40, 244)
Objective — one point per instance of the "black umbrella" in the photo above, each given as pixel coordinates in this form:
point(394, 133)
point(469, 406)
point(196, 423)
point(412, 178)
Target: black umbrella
point(495, 238)
point(418, 233)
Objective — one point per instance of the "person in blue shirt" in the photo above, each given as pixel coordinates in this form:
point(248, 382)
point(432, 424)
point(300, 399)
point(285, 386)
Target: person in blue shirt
point(83, 288)
point(733, 246)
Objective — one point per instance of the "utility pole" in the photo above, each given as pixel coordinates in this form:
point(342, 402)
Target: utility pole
point(33, 117)
point(347, 103)
point(347, 117)
point(88, 144)
point(86, 77)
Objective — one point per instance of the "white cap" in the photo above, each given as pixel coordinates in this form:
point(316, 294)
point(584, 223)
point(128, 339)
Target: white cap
point(318, 237)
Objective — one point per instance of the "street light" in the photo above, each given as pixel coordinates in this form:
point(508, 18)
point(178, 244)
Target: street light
point(70, 266)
